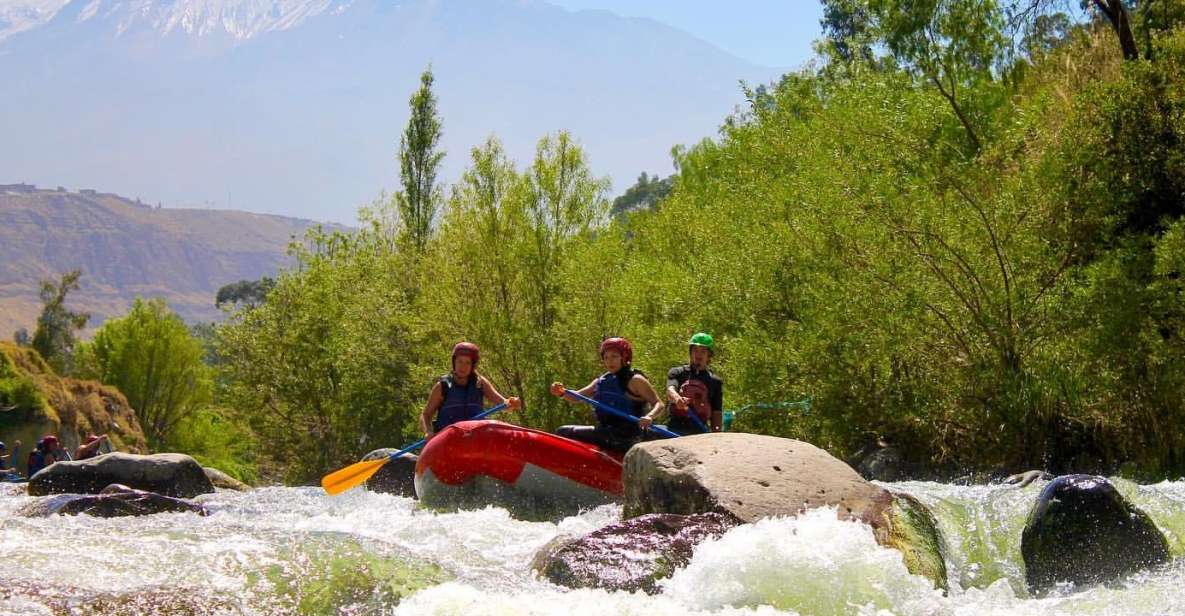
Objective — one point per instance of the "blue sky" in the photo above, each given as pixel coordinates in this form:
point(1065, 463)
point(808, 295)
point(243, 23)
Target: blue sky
point(768, 32)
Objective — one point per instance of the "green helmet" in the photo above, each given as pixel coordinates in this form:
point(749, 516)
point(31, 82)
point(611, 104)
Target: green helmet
point(701, 339)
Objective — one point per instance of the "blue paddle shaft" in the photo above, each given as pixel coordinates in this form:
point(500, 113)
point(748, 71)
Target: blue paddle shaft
point(420, 443)
point(612, 411)
point(699, 423)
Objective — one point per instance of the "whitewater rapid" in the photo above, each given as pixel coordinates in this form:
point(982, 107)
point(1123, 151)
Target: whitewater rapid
point(295, 550)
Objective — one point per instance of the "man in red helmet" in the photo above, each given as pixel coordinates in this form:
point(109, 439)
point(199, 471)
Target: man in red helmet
point(459, 395)
point(46, 452)
point(622, 388)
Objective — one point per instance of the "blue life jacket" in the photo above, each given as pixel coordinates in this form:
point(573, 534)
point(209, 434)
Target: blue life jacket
point(461, 402)
point(36, 461)
point(612, 391)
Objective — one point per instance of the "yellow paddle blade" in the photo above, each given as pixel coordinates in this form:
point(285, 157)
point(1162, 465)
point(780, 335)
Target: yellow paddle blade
point(341, 480)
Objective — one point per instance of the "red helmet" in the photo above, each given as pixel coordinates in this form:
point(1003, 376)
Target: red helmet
point(621, 345)
point(50, 441)
point(466, 348)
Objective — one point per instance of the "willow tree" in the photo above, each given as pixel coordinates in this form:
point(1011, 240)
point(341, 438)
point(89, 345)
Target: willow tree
point(150, 356)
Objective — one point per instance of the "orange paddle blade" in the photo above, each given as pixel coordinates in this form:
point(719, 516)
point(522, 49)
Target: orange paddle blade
point(355, 474)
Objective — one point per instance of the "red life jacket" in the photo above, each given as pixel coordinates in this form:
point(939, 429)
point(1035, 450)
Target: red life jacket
point(697, 394)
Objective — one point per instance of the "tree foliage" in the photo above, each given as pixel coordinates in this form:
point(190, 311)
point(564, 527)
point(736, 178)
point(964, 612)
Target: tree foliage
point(245, 293)
point(419, 161)
point(974, 254)
point(150, 356)
point(643, 195)
point(58, 326)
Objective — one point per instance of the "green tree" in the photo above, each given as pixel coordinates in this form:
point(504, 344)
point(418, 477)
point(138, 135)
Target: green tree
point(419, 160)
point(320, 373)
point(246, 293)
point(643, 195)
point(57, 327)
point(150, 356)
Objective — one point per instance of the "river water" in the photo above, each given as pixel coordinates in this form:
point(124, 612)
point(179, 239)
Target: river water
point(295, 550)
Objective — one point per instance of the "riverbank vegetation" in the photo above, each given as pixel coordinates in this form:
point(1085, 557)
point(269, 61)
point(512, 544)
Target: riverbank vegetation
point(958, 230)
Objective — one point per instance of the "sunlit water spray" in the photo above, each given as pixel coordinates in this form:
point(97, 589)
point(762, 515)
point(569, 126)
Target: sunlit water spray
point(295, 550)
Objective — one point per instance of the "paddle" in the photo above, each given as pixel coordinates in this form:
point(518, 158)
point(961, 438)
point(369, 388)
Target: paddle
point(355, 474)
point(699, 423)
point(612, 411)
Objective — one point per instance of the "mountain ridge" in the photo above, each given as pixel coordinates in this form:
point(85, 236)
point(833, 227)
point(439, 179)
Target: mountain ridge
point(127, 248)
point(306, 120)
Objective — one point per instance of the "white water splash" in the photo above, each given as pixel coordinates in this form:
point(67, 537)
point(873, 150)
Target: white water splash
point(810, 565)
point(813, 564)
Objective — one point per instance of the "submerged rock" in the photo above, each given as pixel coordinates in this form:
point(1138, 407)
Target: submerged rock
point(113, 501)
point(395, 477)
point(1083, 531)
point(170, 474)
point(880, 462)
point(1021, 480)
point(748, 477)
point(630, 555)
point(325, 574)
point(221, 480)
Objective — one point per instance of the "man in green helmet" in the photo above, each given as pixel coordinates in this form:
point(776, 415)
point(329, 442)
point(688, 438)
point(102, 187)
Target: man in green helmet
point(695, 393)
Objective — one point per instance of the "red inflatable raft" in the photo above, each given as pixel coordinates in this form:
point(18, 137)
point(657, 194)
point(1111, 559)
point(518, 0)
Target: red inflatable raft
point(533, 474)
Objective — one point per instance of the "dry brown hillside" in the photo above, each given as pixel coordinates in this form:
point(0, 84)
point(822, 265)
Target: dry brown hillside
point(125, 248)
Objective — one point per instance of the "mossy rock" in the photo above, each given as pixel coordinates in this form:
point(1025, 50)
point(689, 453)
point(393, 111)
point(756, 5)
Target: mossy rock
point(335, 575)
point(911, 529)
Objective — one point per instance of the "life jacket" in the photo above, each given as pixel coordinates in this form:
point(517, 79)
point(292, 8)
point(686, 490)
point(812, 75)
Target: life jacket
point(612, 390)
point(461, 402)
point(36, 461)
point(696, 391)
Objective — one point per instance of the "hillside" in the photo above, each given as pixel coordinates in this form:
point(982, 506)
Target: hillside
point(34, 402)
point(125, 249)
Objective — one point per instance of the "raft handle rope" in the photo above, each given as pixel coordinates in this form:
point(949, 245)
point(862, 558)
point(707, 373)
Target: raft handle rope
point(803, 405)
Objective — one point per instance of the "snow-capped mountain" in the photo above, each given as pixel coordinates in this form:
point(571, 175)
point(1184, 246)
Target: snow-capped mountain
point(241, 19)
point(20, 15)
point(296, 106)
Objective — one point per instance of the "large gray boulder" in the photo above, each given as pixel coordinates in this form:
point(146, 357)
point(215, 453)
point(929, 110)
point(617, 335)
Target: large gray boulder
point(170, 474)
point(629, 555)
point(395, 477)
point(1082, 531)
point(112, 502)
point(748, 477)
point(221, 480)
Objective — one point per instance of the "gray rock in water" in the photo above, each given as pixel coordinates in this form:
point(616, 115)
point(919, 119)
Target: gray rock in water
point(169, 474)
point(1021, 480)
point(630, 555)
point(221, 480)
point(113, 501)
point(395, 477)
point(882, 464)
point(1083, 531)
point(748, 477)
